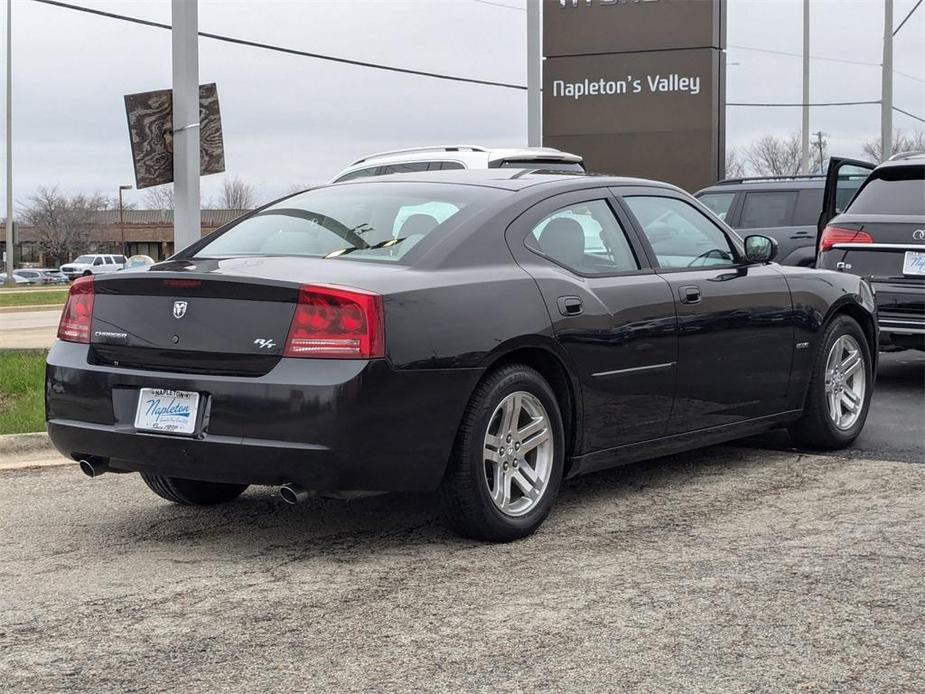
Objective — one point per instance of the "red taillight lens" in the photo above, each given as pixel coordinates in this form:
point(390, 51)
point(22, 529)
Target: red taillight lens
point(334, 323)
point(833, 235)
point(78, 312)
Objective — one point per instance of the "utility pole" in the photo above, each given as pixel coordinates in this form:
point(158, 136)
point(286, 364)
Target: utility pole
point(820, 144)
point(805, 163)
point(534, 75)
point(886, 96)
point(185, 53)
point(122, 219)
point(9, 143)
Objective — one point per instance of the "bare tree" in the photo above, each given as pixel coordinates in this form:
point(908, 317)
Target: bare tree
point(775, 156)
point(735, 167)
point(913, 142)
point(819, 155)
point(236, 195)
point(62, 225)
point(160, 197)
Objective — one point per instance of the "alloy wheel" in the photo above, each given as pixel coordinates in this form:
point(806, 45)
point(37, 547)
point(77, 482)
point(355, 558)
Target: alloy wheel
point(518, 453)
point(845, 382)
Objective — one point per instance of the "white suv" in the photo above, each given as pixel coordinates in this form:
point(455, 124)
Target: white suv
point(459, 157)
point(93, 265)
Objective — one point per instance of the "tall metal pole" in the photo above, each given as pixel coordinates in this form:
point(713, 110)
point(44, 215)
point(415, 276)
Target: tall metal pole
point(121, 223)
point(185, 46)
point(886, 96)
point(534, 75)
point(9, 143)
point(805, 163)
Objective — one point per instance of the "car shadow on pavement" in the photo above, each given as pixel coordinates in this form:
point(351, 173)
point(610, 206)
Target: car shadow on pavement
point(260, 523)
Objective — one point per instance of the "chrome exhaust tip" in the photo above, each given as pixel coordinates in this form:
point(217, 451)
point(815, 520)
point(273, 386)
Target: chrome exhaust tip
point(93, 467)
point(293, 493)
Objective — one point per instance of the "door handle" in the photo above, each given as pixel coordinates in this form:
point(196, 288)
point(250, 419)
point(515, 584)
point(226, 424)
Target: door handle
point(689, 294)
point(570, 305)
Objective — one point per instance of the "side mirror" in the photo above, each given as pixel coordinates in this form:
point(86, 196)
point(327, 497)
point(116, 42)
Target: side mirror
point(760, 249)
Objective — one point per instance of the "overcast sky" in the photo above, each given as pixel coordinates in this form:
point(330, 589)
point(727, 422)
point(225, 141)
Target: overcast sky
point(292, 120)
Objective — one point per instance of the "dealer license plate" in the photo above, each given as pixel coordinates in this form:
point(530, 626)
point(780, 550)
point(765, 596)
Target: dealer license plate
point(914, 263)
point(168, 411)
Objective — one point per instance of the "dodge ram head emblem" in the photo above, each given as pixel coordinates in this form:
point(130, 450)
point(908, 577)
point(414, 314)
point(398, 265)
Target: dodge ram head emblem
point(179, 309)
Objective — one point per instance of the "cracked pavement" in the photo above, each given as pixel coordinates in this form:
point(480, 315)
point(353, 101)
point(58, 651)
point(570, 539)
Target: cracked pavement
point(729, 569)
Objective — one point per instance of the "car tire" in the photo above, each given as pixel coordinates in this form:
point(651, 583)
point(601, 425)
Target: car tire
point(485, 490)
point(831, 391)
point(192, 492)
point(86, 273)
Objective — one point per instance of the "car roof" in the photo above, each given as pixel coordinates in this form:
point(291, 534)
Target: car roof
point(438, 152)
point(904, 159)
point(750, 185)
point(507, 179)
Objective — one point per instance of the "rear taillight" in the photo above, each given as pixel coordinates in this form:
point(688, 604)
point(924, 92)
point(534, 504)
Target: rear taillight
point(78, 312)
point(334, 323)
point(833, 235)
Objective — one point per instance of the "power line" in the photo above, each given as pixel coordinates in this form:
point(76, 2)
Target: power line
point(827, 103)
point(282, 49)
point(906, 19)
point(800, 55)
point(501, 4)
point(906, 113)
point(911, 77)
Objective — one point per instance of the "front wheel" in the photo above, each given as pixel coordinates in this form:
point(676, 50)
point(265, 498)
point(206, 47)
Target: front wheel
point(840, 388)
point(192, 492)
point(508, 458)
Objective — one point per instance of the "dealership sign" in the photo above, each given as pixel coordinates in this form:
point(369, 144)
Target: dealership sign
point(637, 86)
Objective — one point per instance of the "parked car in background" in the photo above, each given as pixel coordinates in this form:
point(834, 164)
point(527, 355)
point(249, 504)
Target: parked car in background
point(20, 281)
point(96, 264)
point(785, 208)
point(28, 276)
point(52, 275)
point(318, 344)
point(873, 225)
point(445, 157)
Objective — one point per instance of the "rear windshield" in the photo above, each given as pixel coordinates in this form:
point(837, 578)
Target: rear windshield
point(892, 190)
point(379, 221)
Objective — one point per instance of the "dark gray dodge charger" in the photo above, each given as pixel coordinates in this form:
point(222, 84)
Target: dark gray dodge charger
point(484, 333)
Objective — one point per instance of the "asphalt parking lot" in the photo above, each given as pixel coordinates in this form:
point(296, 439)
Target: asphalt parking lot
point(727, 569)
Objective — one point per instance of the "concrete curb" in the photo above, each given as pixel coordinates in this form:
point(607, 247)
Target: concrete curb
point(18, 451)
point(31, 307)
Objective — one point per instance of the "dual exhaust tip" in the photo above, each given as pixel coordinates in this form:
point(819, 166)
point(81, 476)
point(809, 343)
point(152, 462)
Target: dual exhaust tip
point(291, 493)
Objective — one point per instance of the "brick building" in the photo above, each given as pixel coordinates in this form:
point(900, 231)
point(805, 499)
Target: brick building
point(146, 232)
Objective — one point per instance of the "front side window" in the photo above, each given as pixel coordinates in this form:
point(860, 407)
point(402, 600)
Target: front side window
point(98, 261)
point(679, 234)
point(405, 167)
point(768, 209)
point(585, 237)
point(718, 203)
point(363, 221)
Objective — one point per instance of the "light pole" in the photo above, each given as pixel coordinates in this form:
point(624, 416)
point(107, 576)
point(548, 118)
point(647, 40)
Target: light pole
point(9, 143)
point(122, 217)
point(886, 86)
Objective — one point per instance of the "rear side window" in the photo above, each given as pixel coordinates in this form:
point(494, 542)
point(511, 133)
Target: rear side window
point(809, 207)
point(585, 237)
point(899, 190)
point(445, 165)
point(768, 209)
point(718, 203)
point(405, 167)
point(363, 221)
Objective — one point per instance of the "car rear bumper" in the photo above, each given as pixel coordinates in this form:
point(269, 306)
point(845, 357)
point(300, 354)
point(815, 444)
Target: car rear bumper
point(323, 424)
point(901, 313)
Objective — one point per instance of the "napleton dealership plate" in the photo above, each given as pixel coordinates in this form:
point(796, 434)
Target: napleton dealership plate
point(168, 411)
point(914, 263)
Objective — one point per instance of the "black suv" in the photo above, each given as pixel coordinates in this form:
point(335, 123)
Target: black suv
point(880, 235)
point(784, 208)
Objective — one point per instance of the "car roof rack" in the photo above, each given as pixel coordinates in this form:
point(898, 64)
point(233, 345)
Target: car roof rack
point(755, 179)
point(914, 154)
point(412, 150)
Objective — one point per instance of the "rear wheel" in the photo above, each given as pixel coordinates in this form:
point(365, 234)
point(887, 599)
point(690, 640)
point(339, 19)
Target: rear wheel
point(507, 462)
point(192, 492)
point(840, 389)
